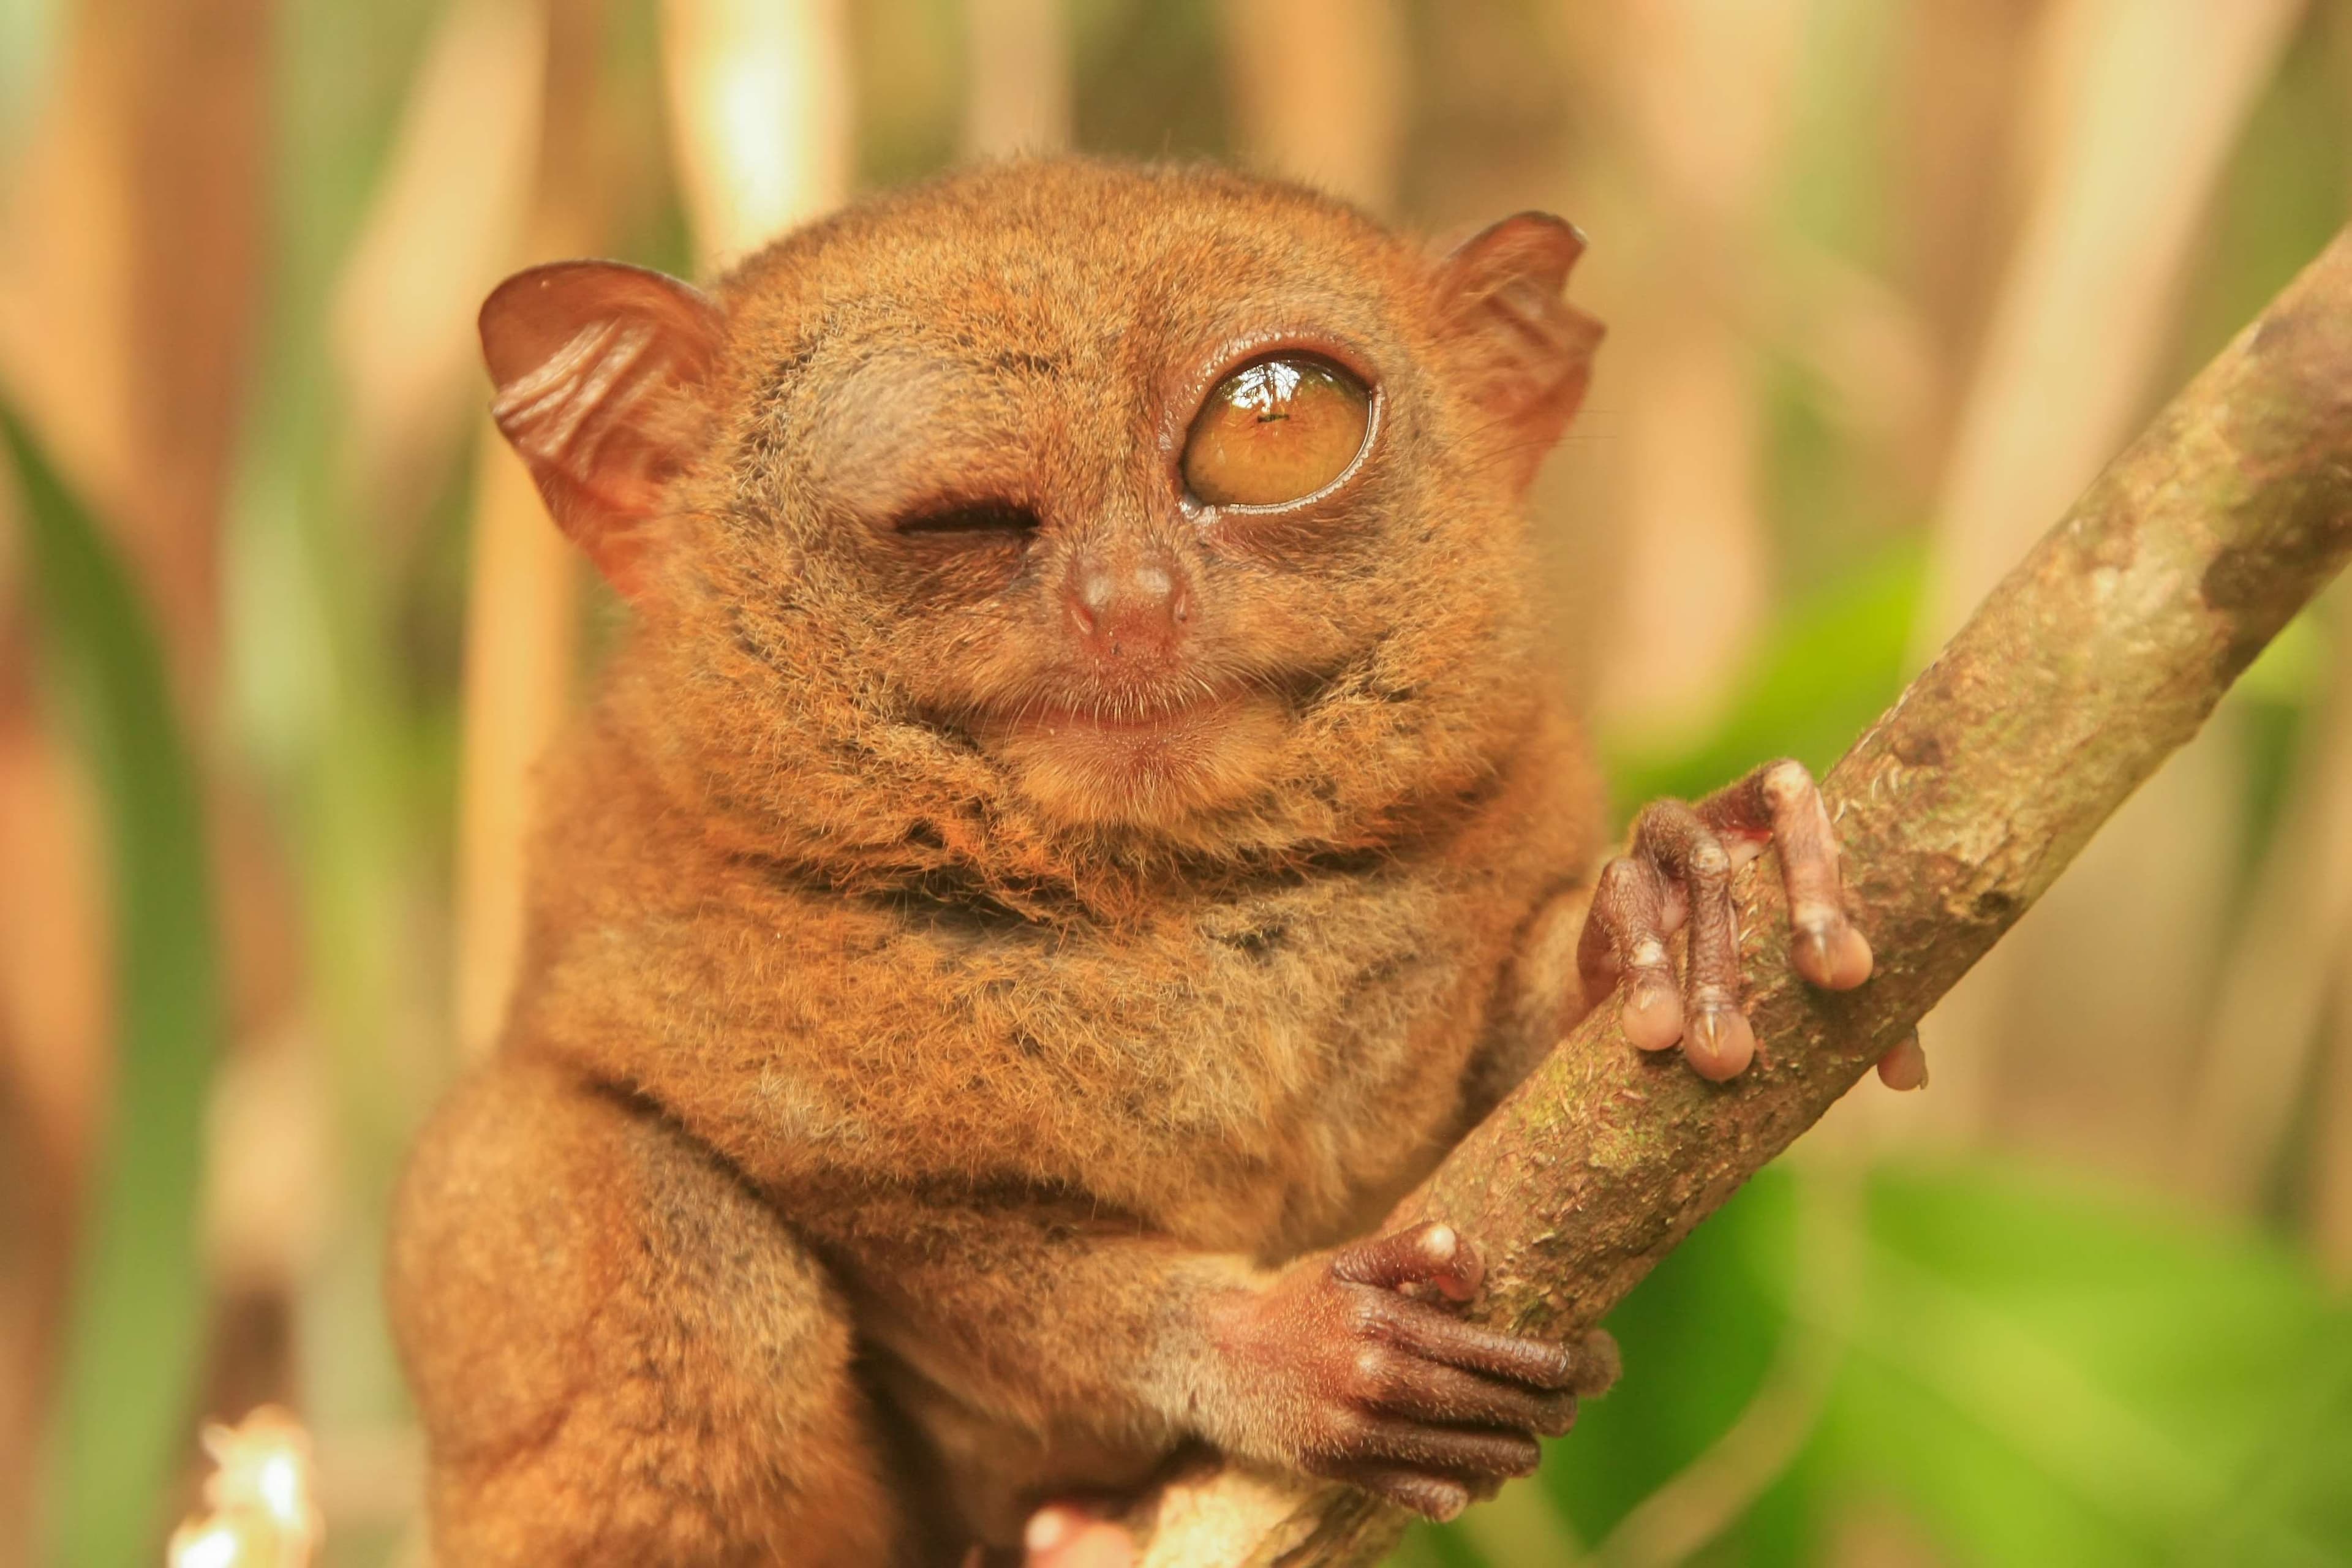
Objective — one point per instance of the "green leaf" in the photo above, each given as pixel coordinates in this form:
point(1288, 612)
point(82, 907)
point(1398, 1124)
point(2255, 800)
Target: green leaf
point(138, 1308)
point(2049, 1376)
point(2021, 1371)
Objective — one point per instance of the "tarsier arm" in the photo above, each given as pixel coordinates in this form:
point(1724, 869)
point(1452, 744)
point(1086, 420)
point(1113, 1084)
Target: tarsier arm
point(1349, 1363)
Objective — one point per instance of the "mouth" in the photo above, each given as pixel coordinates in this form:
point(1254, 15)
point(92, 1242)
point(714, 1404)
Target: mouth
point(1121, 721)
point(1140, 760)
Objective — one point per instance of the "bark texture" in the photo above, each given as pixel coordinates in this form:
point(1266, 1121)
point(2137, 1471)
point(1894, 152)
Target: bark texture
point(2101, 654)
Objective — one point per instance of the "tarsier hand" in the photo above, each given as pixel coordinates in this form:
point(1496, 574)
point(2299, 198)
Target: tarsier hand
point(1676, 875)
point(1361, 1368)
point(1355, 1364)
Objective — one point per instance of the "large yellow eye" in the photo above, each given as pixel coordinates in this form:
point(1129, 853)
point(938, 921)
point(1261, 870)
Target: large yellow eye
point(1275, 430)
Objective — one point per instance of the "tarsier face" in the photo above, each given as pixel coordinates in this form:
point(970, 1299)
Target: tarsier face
point(1090, 500)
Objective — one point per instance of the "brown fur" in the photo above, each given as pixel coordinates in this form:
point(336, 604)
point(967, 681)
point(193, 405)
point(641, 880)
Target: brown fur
point(889, 1089)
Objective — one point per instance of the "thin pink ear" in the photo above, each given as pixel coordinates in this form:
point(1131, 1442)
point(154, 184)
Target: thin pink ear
point(589, 359)
point(1529, 351)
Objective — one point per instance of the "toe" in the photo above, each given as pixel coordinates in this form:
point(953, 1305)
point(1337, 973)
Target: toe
point(1905, 1067)
point(1828, 951)
point(1651, 1011)
point(1720, 1044)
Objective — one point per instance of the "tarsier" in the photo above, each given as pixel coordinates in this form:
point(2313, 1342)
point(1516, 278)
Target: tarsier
point(1080, 826)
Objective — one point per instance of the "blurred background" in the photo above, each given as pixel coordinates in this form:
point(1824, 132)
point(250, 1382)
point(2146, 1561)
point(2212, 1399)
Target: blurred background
point(1887, 281)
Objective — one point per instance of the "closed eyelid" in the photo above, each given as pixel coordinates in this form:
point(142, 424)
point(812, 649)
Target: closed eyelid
point(898, 429)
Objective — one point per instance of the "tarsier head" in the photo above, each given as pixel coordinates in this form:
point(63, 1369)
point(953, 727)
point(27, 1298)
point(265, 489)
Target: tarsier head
point(1060, 514)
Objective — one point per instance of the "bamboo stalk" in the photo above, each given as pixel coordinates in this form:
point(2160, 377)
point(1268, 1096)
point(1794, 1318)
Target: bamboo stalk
point(1018, 82)
point(2080, 1037)
point(1319, 91)
point(760, 104)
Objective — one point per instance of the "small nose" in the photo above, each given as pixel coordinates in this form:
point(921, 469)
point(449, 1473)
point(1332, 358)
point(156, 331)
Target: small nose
point(1129, 604)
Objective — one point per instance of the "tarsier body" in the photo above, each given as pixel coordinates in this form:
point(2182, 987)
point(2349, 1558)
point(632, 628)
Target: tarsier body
point(1078, 828)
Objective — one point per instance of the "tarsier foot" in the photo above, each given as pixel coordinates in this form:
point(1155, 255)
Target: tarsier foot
point(1394, 1393)
point(1677, 876)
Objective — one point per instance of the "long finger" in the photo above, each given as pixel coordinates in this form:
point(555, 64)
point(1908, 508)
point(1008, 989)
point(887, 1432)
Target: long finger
point(1432, 1335)
point(1422, 1390)
point(1431, 1253)
point(1625, 945)
point(1781, 801)
point(1716, 1035)
point(1466, 1453)
point(1439, 1498)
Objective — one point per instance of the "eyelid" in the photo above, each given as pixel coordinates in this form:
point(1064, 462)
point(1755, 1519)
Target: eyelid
point(1349, 366)
point(1186, 391)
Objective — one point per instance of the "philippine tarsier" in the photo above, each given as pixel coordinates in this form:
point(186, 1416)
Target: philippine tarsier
point(1080, 826)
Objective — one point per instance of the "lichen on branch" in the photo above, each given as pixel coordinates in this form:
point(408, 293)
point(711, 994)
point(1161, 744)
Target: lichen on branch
point(2100, 654)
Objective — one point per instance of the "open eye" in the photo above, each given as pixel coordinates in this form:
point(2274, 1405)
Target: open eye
point(1278, 429)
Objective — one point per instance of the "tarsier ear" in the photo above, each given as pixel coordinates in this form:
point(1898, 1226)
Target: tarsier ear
point(1529, 351)
point(596, 366)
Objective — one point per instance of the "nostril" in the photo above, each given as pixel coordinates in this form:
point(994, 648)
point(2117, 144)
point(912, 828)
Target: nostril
point(1126, 605)
point(1089, 595)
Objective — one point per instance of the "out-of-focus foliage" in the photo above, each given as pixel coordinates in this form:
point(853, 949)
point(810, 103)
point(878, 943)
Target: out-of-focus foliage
point(1871, 1357)
point(131, 1358)
point(1837, 656)
point(1993, 1365)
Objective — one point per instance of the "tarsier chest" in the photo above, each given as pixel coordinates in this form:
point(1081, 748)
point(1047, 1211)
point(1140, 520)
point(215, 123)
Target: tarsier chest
point(1243, 1071)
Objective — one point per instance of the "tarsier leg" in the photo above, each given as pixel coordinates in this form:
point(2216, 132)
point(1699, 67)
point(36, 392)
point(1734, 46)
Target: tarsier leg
point(1677, 874)
point(620, 1356)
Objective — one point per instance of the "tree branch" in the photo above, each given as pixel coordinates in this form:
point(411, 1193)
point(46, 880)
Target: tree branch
point(2100, 654)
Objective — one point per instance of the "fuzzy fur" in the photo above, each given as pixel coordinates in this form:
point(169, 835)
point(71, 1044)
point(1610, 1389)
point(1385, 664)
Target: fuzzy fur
point(890, 1084)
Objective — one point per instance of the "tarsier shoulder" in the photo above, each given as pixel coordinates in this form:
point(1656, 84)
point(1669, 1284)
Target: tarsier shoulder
point(1080, 821)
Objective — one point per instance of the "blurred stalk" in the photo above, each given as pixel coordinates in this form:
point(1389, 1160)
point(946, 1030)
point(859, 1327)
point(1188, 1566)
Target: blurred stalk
point(443, 223)
point(761, 123)
point(336, 708)
point(138, 1321)
point(128, 280)
point(2284, 963)
point(2078, 1033)
point(2140, 106)
point(1687, 372)
point(521, 645)
point(56, 1019)
point(1958, 189)
point(1018, 80)
point(2331, 1202)
point(1318, 93)
point(1715, 1490)
point(448, 221)
point(129, 285)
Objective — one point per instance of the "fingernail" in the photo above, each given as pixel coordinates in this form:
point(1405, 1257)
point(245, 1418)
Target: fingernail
point(1439, 1241)
point(1651, 1014)
point(1809, 952)
point(1720, 1044)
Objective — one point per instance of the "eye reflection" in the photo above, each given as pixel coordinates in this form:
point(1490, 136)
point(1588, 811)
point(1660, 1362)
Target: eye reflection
point(1276, 430)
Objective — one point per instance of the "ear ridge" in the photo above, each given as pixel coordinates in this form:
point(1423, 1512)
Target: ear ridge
point(544, 412)
point(1530, 352)
point(588, 358)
